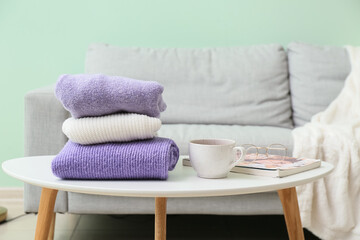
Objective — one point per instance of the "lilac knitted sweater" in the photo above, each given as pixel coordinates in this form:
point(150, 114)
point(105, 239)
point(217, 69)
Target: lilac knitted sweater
point(85, 95)
point(146, 159)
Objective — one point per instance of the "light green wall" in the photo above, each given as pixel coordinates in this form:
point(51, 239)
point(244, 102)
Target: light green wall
point(40, 40)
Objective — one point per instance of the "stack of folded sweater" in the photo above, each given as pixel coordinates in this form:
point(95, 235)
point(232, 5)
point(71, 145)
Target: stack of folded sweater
point(112, 132)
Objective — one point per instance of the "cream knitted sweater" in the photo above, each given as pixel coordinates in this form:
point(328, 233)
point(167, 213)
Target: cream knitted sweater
point(111, 128)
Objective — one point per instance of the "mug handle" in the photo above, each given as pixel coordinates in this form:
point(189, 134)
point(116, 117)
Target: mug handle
point(241, 158)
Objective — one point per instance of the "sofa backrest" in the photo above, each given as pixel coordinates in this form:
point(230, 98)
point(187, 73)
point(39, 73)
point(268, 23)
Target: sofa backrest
point(317, 75)
point(235, 85)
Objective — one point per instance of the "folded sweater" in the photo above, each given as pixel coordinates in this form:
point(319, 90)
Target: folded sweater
point(121, 127)
point(148, 159)
point(85, 95)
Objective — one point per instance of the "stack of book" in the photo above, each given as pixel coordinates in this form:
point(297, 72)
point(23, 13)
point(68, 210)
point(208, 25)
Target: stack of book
point(271, 165)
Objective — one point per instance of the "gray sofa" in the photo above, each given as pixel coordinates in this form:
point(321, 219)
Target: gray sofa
point(251, 94)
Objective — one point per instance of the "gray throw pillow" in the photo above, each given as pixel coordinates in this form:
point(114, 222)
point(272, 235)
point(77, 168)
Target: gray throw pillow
point(317, 75)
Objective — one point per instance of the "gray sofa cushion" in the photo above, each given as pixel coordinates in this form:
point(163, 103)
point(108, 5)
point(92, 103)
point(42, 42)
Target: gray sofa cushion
point(260, 136)
point(317, 75)
point(249, 204)
point(238, 85)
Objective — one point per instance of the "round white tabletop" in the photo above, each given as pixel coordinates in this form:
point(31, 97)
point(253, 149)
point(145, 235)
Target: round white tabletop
point(182, 181)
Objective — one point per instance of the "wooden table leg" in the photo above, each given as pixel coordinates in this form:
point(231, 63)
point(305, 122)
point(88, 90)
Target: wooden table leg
point(160, 218)
point(46, 213)
point(52, 227)
point(290, 205)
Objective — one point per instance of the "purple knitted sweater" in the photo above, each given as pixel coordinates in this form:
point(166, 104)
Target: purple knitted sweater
point(85, 95)
point(147, 159)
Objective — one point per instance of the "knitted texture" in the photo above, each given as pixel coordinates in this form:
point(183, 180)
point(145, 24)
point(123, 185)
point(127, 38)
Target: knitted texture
point(147, 159)
point(111, 128)
point(86, 95)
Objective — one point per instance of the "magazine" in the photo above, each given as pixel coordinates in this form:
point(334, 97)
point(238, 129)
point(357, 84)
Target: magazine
point(271, 165)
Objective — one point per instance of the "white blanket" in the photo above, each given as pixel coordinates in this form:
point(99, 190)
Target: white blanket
point(111, 128)
point(330, 207)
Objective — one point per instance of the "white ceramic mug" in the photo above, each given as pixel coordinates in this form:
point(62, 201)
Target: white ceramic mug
point(214, 158)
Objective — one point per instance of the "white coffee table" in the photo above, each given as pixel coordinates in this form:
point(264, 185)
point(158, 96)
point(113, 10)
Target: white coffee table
point(182, 182)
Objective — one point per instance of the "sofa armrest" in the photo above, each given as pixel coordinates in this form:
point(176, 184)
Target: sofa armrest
point(44, 116)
